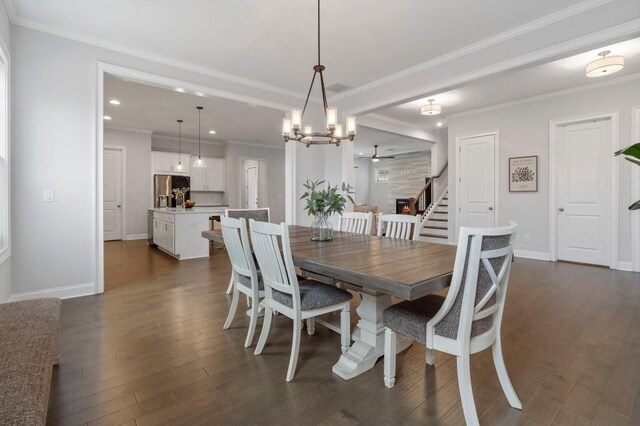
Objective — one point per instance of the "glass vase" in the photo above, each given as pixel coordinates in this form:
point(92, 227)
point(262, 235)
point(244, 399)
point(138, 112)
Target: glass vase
point(321, 229)
point(179, 200)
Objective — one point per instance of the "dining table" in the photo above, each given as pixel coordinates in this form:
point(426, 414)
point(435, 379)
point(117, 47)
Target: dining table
point(379, 268)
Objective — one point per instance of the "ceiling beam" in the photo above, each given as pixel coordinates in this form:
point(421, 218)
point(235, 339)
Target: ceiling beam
point(396, 127)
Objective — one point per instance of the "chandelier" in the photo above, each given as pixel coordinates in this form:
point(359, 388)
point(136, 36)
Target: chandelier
point(334, 134)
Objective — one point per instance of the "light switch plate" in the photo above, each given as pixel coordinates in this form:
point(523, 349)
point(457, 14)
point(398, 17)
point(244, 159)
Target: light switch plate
point(48, 196)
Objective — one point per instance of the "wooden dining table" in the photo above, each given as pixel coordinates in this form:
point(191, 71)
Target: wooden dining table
point(378, 268)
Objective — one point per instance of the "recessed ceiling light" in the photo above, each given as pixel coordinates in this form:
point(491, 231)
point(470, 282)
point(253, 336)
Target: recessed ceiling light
point(212, 132)
point(361, 153)
point(439, 124)
point(106, 117)
point(199, 94)
point(179, 89)
point(114, 102)
point(605, 65)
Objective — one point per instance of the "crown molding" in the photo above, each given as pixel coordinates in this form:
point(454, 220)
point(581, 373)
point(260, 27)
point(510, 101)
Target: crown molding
point(11, 10)
point(143, 54)
point(557, 50)
point(556, 94)
point(483, 44)
point(128, 129)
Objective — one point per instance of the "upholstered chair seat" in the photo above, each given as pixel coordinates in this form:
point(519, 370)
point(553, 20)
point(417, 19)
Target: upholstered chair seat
point(314, 295)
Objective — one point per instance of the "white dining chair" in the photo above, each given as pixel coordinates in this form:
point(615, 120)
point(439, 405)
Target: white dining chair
point(298, 300)
point(401, 226)
point(245, 277)
point(261, 215)
point(468, 320)
point(356, 223)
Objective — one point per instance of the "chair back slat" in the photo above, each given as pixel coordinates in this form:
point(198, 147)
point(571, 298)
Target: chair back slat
point(475, 301)
point(236, 241)
point(399, 226)
point(355, 222)
point(272, 249)
point(260, 215)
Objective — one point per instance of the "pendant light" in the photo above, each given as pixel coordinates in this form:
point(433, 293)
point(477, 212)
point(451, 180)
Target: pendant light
point(605, 65)
point(200, 161)
point(179, 167)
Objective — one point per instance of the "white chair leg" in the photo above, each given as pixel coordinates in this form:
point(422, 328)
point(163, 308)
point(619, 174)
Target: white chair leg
point(389, 357)
point(311, 326)
point(430, 357)
point(255, 308)
point(501, 369)
point(230, 288)
point(295, 348)
point(466, 391)
point(232, 309)
point(266, 325)
point(345, 329)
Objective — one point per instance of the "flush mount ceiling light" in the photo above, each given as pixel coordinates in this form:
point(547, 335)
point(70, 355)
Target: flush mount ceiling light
point(106, 117)
point(605, 65)
point(292, 126)
point(179, 167)
point(199, 163)
point(431, 108)
point(114, 102)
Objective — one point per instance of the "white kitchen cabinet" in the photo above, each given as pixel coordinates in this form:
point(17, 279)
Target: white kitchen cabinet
point(210, 178)
point(164, 163)
point(178, 232)
point(164, 231)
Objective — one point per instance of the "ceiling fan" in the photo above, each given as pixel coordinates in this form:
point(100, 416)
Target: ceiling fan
point(376, 157)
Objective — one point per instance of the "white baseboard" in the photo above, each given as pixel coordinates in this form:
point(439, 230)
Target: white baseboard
point(136, 237)
point(624, 266)
point(536, 255)
point(66, 292)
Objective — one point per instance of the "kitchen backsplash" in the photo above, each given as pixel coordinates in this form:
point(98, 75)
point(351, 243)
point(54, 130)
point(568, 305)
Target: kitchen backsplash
point(204, 198)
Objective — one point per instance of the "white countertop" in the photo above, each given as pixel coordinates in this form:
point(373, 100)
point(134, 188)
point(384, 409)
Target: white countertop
point(193, 210)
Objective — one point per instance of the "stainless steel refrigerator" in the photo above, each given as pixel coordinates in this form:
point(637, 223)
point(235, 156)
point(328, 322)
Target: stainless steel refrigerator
point(163, 186)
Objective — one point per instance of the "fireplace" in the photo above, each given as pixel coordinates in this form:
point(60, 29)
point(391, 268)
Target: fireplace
point(402, 206)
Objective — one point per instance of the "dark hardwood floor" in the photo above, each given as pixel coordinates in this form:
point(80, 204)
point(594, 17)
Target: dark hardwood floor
point(151, 350)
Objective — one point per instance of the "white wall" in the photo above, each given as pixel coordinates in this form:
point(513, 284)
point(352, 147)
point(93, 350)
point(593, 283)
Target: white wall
point(137, 185)
point(379, 191)
point(439, 158)
point(54, 147)
point(275, 158)
point(524, 130)
point(188, 146)
point(5, 265)
point(363, 180)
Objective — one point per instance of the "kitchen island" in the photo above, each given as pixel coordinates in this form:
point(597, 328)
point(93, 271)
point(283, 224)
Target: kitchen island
point(177, 231)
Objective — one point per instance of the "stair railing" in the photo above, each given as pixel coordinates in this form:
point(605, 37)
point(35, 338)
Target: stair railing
point(421, 203)
point(427, 214)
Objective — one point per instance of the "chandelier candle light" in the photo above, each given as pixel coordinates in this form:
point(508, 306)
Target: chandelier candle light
point(200, 161)
point(292, 126)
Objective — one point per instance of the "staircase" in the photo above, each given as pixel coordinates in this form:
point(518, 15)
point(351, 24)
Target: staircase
point(435, 226)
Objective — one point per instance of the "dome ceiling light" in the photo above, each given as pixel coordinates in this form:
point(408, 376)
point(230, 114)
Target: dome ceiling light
point(431, 108)
point(605, 65)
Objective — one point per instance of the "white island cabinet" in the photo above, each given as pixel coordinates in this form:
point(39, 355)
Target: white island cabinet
point(178, 231)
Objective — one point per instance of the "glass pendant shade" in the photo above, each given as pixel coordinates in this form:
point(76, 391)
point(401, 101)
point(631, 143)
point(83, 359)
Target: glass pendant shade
point(308, 130)
point(431, 108)
point(338, 131)
point(179, 167)
point(286, 126)
point(332, 118)
point(605, 65)
point(296, 118)
point(200, 162)
point(351, 125)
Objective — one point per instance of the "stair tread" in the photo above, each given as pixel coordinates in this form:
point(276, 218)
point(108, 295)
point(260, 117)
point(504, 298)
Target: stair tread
point(434, 236)
point(435, 227)
point(438, 220)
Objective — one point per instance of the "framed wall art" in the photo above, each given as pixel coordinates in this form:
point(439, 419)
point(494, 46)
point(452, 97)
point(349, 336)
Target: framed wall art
point(523, 174)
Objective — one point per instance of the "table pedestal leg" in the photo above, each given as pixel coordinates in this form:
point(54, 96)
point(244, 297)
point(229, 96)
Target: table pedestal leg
point(368, 338)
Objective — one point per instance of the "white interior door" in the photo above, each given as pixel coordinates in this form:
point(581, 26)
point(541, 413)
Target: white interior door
point(476, 181)
point(113, 182)
point(584, 192)
point(252, 181)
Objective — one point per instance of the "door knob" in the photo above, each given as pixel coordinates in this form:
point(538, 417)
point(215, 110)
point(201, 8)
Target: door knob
point(119, 206)
point(490, 208)
point(561, 209)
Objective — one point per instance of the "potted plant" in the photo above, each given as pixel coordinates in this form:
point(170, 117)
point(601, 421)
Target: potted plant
point(322, 202)
point(632, 153)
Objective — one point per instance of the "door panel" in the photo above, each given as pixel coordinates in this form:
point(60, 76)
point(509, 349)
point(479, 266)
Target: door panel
point(584, 193)
point(477, 181)
point(252, 187)
point(112, 194)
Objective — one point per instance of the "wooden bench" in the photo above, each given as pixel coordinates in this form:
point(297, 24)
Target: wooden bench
point(28, 350)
